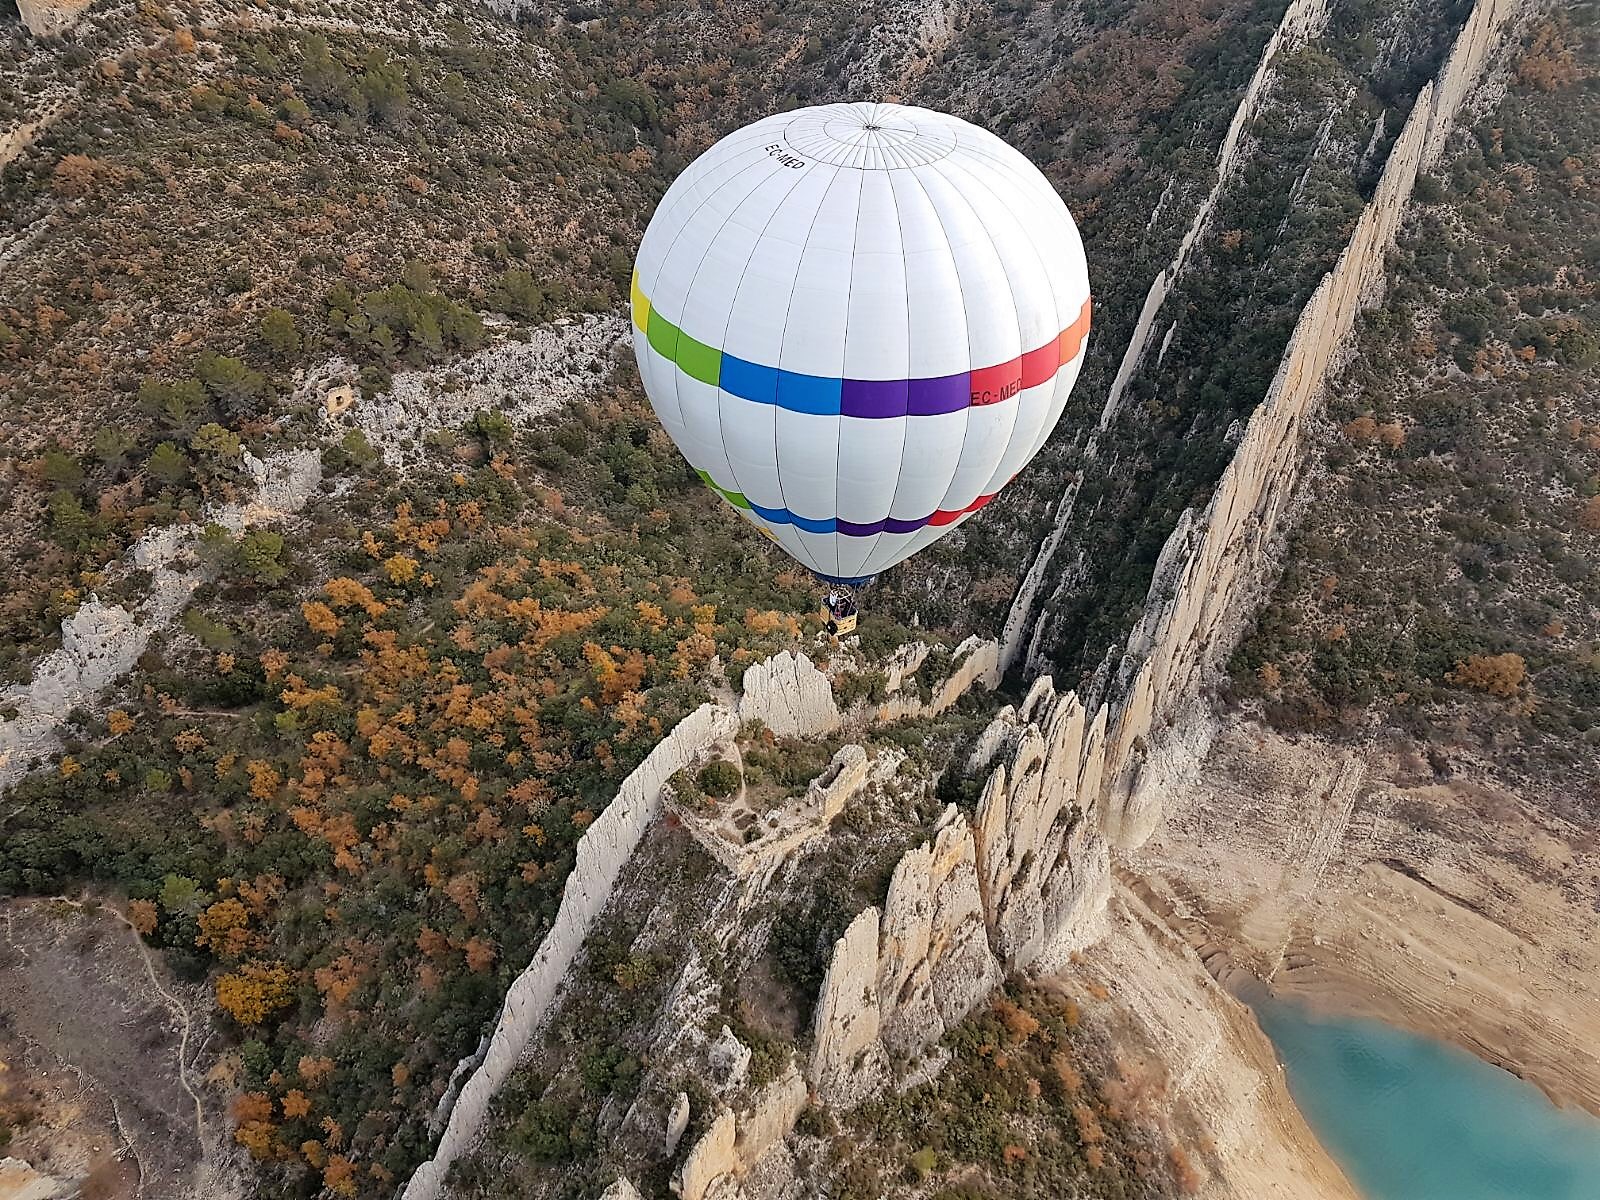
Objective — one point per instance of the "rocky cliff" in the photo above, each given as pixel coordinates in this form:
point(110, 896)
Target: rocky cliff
point(604, 848)
point(101, 642)
point(1067, 784)
point(1216, 564)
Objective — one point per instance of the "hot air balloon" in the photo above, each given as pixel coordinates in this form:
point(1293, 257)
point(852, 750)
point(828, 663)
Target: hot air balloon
point(858, 322)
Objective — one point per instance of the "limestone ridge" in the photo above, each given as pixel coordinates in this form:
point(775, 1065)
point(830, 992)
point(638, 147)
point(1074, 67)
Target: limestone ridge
point(1215, 566)
point(792, 697)
point(101, 642)
point(1302, 20)
point(1068, 785)
point(602, 851)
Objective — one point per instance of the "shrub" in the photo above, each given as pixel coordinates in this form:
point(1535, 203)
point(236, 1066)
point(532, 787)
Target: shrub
point(719, 779)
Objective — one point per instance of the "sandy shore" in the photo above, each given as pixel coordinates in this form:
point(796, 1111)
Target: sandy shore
point(1358, 881)
point(1222, 1089)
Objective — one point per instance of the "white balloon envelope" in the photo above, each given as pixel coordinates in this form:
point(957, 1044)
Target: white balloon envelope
point(859, 322)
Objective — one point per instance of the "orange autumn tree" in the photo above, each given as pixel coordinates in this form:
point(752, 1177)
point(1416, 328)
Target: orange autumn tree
point(256, 991)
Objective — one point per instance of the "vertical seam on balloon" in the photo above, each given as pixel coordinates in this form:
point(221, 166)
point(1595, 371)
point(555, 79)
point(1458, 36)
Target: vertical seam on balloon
point(788, 307)
point(1045, 192)
point(721, 393)
point(677, 397)
point(739, 146)
point(689, 292)
point(956, 503)
point(990, 487)
point(906, 550)
point(844, 357)
point(905, 421)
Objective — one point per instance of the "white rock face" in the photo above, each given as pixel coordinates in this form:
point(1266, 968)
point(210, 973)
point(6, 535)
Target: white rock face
point(934, 961)
point(602, 852)
point(520, 379)
point(733, 1146)
point(788, 695)
point(677, 1122)
point(977, 664)
point(19, 1181)
point(711, 1158)
point(101, 642)
point(46, 17)
point(730, 1060)
point(846, 1021)
point(621, 1190)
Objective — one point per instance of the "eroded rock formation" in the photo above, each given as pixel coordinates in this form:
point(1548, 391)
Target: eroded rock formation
point(735, 1144)
point(1215, 566)
point(46, 17)
point(1021, 887)
point(101, 642)
point(788, 695)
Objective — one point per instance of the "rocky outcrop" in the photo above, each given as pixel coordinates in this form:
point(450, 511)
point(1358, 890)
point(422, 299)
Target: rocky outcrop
point(846, 1023)
point(602, 851)
point(101, 642)
point(1215, 567)
point(519, 379)
point(733, 1145)
point(1020, 888)
point(709, 1159)
point(839, 783)
point(47, 17)
point(19, 1181)
point(977, 664)
point(788, 695)
point(934, 961)
point(1302, 20)
point(622, 1189)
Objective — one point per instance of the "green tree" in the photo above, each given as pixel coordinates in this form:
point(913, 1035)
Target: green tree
point(168, 465)
point(212, 439)
point(70, 523)
point(520, 295)
point(111, 446)
point(494, 427)
point(279, 334)
point(60, 468)
point(382, 86)
point(236, 387)
point(260, 554)
point(177, 407)
point(325, 78)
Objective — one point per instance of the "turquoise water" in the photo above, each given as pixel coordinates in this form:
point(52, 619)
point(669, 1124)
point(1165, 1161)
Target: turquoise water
point(1411, 1118)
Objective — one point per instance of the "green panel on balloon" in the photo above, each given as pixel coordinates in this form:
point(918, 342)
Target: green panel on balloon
point(698, 360)
point(663, 335)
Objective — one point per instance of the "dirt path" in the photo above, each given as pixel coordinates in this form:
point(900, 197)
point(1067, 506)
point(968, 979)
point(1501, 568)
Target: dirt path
point(108, 1047)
